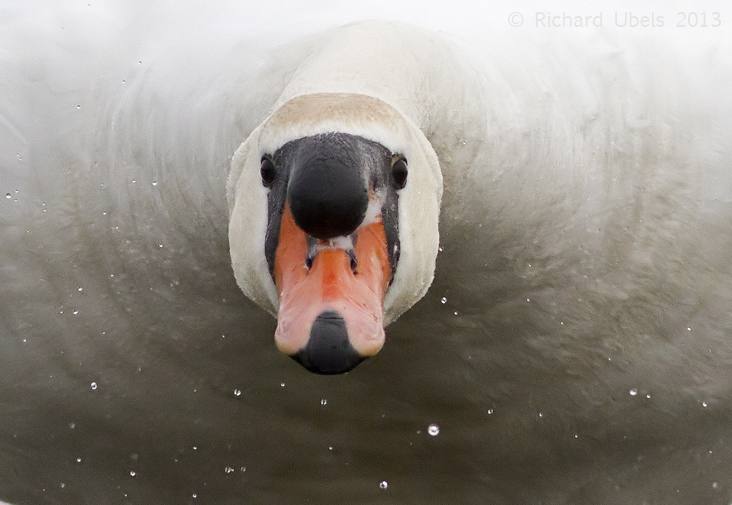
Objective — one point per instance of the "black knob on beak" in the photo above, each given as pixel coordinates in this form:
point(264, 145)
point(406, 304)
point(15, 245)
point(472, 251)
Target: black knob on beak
point(327, 192)
point(328, 351)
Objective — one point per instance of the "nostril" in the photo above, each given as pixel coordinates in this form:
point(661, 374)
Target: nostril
point(328, 350)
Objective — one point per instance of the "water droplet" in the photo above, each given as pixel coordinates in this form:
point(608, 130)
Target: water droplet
point(195, 447)
point(228, 469)
point(323, 401)
point(383, 484)
point(72, 426)
point(541, 414)
point(63, 485)
point(78, 106)
point(94, 385)
point(528, 299)
point(455, 313)
point(76, 311)
point(330, 447)
point(490, 412)
point(576, 435)
point(8, 196)
point(633, 392)
point(444, 300)
point(439, 248)
point(155, 183)
point(282, 384)
point(433, 429)
point(705, 404)
point(78, 460)
point(194, 495)
point(688, 328)
point(80, 289)
point(648, 395)
point(714, 485)
point(243, 469)
point(237, 392)
point(133, 473)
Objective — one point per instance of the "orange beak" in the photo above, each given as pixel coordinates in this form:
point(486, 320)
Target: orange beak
point(331, 313)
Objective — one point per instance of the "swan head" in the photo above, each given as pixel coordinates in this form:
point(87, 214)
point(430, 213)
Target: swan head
point(334, 207)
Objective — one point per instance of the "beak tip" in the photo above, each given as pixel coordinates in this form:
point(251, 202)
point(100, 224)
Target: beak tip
point(328, 351)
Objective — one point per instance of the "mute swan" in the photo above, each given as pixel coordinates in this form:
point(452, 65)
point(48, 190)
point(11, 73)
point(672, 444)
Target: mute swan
point(346, 167)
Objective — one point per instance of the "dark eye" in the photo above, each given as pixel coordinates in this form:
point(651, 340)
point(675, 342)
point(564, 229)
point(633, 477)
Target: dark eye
point(268, 172)
point(399, 173)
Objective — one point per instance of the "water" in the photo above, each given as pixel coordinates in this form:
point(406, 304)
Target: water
point(147, 372)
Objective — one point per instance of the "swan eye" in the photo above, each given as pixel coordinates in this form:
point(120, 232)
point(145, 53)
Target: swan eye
point(268, 172)
point(399, 173)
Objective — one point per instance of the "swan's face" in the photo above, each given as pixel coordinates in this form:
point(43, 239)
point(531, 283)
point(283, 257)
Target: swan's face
point(334, 224)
